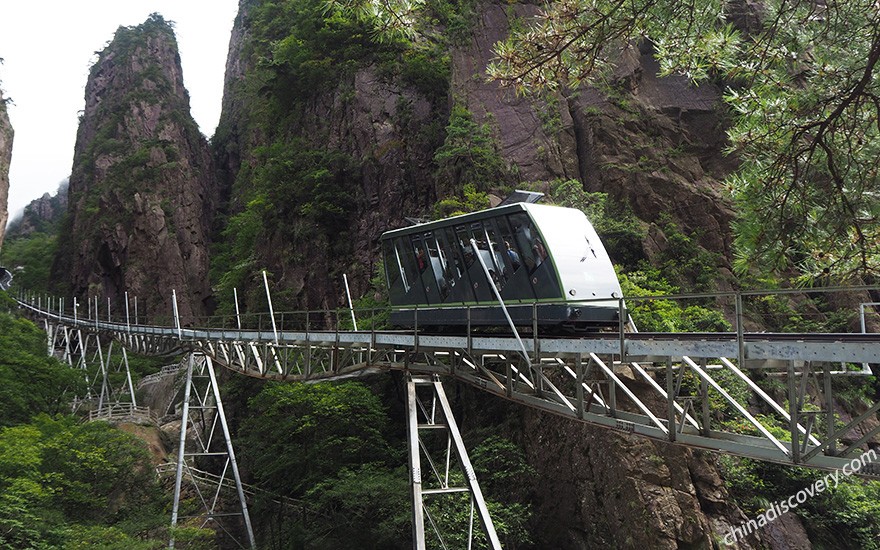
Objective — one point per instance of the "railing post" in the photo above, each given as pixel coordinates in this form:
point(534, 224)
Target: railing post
point(793, 413)
point(536, 352)
point(176, 314)
point(350, 304)
point(416, 329)
point(831, 449)
point(271, 310)
point(237, 312)
point(740, 332)
point(670, 400)
point(470, 336)
point(620, 326)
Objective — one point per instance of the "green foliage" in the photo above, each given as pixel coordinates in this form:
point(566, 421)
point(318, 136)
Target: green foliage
point(416, 20)
point(31, 382)
point(327, 443)
point(664, 315)
point(345, 422)
point(684, 261)
point(469, 156)
point(194, 538)
point(470, 200)
point(304, 47)
point(851, 508)
point(502, 468)
point(7, 303)
point(294, 180)
point(800, 86)
point(617, 226)
point(296, 193)
point(796, 313)
point(65, 484)
point(451, 514)
point(504, 476)
point(369, 504)
point(457, 17)
point(127, 39)
point(372, 310)
point(99, 537)
point(29, 258)
point(427, 70)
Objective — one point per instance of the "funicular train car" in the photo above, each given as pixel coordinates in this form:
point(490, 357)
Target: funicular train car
point(546, 261)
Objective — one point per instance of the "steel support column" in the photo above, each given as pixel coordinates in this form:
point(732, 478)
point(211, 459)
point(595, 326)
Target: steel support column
point(432, 413)
point(202, 393)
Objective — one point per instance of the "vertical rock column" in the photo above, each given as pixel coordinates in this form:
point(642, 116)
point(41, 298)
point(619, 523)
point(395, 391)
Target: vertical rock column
point(5, 158)
point(142, 192)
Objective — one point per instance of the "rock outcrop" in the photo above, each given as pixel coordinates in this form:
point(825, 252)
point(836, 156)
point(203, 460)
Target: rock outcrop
point(142, 192)
point(41, 215)
point(375, 123)
point(658, 151)
point(6, 135)
point(653, 144)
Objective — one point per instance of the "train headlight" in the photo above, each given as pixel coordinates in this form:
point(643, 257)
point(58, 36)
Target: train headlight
point(572, 292)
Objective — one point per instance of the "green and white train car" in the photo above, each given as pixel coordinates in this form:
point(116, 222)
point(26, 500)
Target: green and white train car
point(547, 262)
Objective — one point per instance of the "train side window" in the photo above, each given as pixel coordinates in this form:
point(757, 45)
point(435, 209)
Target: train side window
point(393, 269)
point(524, 236)
point(477, 232)
point(460, 287)
point(407, 261)
point(448, 260)
point(464, 241)
point(495, 260)
point(436, 259)
point(419, 253)
point(453, 258)
point(509, 247)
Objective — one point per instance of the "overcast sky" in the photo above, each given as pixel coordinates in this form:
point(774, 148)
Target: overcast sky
point(48, 47)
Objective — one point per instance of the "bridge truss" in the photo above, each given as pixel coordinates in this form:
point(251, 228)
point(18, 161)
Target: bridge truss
point(661, 386)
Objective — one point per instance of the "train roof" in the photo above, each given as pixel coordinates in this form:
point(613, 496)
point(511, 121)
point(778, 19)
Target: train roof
point(470, 217)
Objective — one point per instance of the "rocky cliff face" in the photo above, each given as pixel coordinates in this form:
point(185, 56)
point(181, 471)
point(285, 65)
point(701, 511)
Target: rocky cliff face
point(369, 128)
point(653, 144)
point(142, 191)
point(6, 135)
point(41, 215)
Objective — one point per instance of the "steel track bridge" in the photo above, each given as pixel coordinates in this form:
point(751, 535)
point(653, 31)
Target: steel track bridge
point(657, 386)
